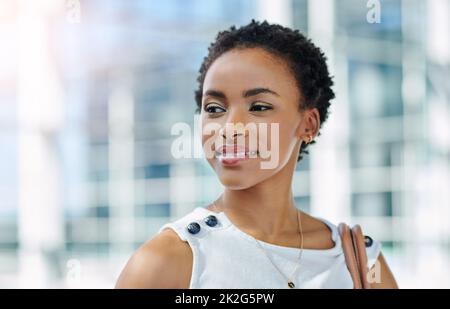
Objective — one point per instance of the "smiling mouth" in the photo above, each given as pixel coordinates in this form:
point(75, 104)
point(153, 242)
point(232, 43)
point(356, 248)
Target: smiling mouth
point(236, 155)
point(231, 155)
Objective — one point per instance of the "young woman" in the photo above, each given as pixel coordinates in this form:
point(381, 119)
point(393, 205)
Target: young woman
point(253, 235)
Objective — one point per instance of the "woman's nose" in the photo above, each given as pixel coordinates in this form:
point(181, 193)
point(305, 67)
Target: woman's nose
point(235, 125)
point(236, 116)
point(227, 135)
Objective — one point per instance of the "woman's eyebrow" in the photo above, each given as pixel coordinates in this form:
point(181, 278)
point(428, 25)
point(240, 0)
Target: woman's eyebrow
point(256, 91)
point(215, 93)
point(245, 94)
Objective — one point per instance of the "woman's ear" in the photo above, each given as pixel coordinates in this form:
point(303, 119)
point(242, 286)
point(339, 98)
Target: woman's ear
point(309, 125)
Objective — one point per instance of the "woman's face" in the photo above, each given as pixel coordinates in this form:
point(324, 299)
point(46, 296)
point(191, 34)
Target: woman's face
point(253, 88)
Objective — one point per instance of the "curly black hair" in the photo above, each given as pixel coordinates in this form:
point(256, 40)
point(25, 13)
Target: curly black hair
point(306, 61)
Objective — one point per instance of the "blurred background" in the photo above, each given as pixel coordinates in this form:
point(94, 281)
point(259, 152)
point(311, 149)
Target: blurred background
point(89, 91)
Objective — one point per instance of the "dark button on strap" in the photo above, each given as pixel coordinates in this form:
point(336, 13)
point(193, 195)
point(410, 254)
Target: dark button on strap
point(368, 241)
point(211, 221)
point(193, 228)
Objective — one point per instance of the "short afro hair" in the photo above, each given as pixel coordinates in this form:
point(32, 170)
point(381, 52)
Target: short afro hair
point(306, 61)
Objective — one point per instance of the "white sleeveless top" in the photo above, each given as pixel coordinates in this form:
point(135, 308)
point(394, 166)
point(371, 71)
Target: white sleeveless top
point(226, 257)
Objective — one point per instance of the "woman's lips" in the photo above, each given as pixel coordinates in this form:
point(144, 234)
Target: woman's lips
point(233, 154)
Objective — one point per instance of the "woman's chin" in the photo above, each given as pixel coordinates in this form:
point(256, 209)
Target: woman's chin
point(235, 183)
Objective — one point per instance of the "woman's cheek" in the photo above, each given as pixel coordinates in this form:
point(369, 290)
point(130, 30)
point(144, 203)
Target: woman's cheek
point(210, 132)
point(282, 141)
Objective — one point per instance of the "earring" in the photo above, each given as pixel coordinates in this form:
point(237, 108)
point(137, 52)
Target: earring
point(310, 139)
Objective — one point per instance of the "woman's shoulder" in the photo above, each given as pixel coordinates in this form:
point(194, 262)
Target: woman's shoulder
point(165, 261)
point(325, 233)
point(320, 234)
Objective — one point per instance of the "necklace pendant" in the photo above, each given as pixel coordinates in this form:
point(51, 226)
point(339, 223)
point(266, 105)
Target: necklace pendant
point(291, 284)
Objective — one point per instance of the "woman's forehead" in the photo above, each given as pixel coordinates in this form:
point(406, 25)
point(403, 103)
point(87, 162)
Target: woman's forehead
point(241, 69)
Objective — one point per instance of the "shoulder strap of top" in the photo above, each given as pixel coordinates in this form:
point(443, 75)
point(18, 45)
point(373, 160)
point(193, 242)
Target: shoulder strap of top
point(354, 247)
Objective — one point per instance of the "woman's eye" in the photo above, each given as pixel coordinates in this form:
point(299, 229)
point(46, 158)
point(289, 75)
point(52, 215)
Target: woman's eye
point(214, 109)
point(260, 107)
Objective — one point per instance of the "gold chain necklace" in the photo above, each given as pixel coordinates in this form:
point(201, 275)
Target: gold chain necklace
point(289, 280)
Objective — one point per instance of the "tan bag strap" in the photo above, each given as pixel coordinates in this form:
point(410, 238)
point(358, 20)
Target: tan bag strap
point(354, 247)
